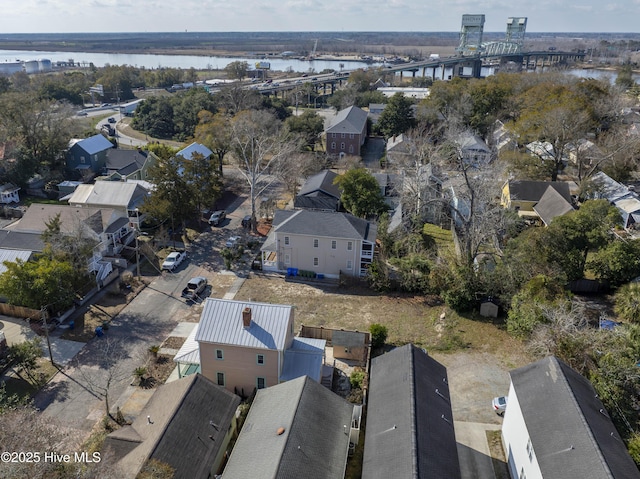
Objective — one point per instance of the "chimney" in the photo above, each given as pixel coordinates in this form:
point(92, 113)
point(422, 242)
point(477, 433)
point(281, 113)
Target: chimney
point(246, 317)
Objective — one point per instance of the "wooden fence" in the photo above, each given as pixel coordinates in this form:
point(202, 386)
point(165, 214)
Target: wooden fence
point(20, 312)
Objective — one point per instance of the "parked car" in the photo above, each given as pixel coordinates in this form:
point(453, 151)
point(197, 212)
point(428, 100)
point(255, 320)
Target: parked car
point(232, 242)
point(111, 119)
point(81, 113)
point(194, 288)
point(173, 260)
point(217, 217)
point(246, 221)
point(499, 405)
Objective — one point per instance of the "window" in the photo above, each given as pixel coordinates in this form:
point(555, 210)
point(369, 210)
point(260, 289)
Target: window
point(287, 259)
point(349, 264)
point(316, 261)
point(315, 242)
point(220, 377)
point(351, 136)
point(350, 148)
point(334, 244)
point(341, 135)
point(349, 245)
point(261, 383)
point(530, 449)
point(342, 145)
point(260, 359)
point(219, 354)
point(522, 474)
point(333, 145)
point(82, 159)
point(333, 135)
point(286, 241)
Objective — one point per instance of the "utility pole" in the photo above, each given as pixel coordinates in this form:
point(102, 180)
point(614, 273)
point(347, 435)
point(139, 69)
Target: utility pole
point(137, 245)
point(43, 313)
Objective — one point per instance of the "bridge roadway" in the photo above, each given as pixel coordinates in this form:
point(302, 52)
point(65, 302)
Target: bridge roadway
point(525, 58)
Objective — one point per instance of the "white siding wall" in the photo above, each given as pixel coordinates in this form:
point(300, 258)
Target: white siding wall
point(514, 439)
point(330, 261)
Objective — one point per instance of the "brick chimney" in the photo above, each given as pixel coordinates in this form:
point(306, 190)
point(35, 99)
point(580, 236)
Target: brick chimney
point(246, 317)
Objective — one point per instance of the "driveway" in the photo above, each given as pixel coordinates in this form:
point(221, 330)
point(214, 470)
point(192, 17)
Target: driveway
point(475, 378)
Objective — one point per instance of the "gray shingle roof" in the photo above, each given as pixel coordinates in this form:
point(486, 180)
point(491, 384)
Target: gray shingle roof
point(313, 444)
point(189, 419)
point(533, 190)
point(570, 431)
point(323, 182)
point(349, 120)
point(221, 323)
point(552, 204)
point(21, 241)
point(409, 430)
point(326, 224)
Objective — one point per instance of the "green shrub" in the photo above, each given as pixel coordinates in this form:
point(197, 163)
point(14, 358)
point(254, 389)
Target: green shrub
point(379, 335)
point(357, 379)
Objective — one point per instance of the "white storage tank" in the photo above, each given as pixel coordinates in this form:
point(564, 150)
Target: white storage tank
point(9, 68)
point(31, 66)
point(44, 65)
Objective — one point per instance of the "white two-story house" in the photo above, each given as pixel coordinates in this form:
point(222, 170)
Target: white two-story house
point(322, 242)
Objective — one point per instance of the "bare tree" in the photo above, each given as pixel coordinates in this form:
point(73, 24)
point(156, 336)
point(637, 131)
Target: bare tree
point(261, 147)
point(108, 370)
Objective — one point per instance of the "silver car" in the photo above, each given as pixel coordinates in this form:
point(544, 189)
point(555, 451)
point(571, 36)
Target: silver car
point(499, 405)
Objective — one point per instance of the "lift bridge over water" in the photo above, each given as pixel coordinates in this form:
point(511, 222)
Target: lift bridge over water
point(473, 53)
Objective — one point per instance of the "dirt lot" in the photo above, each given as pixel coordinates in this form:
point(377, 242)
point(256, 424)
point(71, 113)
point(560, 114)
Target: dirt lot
point(478, 353)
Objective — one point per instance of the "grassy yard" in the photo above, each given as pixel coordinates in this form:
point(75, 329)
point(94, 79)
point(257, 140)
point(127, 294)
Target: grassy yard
point(408, 318)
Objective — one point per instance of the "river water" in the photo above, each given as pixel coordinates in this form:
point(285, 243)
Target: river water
point(198, 62)
point(178, 61)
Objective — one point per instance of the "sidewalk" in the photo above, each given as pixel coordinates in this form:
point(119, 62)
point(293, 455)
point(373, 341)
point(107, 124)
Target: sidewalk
point(18, 330)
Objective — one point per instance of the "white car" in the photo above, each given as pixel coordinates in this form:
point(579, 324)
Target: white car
point(173, 260)
point(232, 242)
point(499, 405)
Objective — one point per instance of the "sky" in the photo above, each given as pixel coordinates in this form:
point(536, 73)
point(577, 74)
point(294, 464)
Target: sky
point(63, 16)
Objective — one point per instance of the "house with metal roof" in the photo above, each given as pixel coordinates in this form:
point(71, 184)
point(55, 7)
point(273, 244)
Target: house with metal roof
point(194, 148)
point(625, 200)
point(320, 242)
point(319, 193)
point(246, 345)
point(187, 424)
point(556, 427)
point(88, 156)
point(9, 194)
point(122, 196)
point(345, 133)
point(410, 432)
point(298, 429)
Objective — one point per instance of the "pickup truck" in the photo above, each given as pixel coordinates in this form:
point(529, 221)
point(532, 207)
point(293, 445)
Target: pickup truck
point(194, 288)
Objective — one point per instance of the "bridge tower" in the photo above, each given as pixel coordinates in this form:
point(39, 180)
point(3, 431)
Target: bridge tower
point(516, 28)
point(471, 35)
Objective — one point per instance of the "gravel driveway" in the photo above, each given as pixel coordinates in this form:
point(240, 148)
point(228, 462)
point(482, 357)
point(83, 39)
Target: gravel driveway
point(475, 378)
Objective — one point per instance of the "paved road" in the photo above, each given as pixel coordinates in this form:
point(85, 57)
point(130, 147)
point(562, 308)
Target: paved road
point(74, 396)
